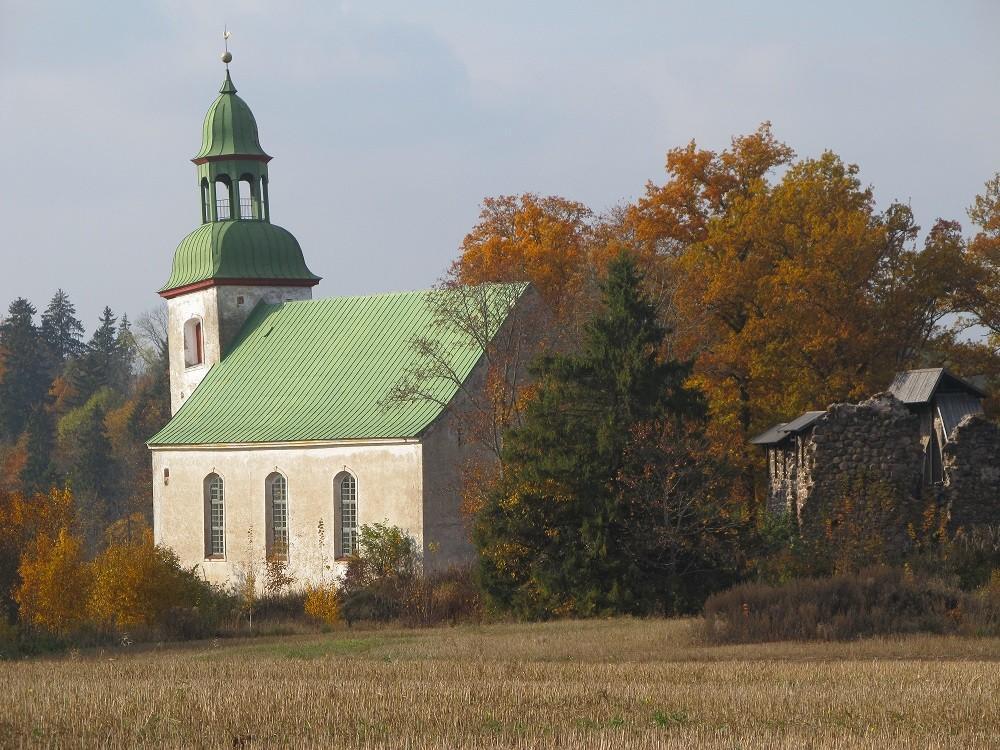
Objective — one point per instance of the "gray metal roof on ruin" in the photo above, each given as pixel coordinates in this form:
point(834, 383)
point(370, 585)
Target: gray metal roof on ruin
point(784, 430)
point(803, 422)
point(771, 436)
point(919, 386)
point(954, 407)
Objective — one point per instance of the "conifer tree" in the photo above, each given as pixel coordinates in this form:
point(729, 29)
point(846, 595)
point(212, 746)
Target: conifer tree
point(25, 372)
point(61, 329)
point(555, 533)
point(38, 474)
point(106, 363)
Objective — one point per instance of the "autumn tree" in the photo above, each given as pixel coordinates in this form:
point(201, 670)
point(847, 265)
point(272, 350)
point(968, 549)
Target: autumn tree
point(55, 583)
point(556, 535)
point(543, 240)
point(793, 292)
point(981, 294)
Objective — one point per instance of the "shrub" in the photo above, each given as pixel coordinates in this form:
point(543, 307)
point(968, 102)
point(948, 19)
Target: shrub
point(878, 601)
point(55, 583)
point(323, 603)
point(139, 585)
point(446, 596)
point(380, 573)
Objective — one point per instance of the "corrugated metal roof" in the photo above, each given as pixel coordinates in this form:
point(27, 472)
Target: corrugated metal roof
point(803, 422)
point(771, 436)
point(324, 369)
point(954, 407)
point(238, 249)
point(919, 386)
point(229, 128)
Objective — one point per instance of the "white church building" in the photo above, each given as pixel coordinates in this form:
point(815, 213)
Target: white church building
point(285, 437)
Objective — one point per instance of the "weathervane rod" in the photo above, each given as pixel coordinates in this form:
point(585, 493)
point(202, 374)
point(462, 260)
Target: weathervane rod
point(227, 56)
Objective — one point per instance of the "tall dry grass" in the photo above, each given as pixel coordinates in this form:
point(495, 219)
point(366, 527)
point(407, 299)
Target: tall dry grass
point(615, 683)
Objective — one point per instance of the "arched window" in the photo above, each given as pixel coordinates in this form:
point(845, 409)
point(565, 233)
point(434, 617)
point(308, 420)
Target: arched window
point(215, 517)
point(194, 343)
point(246, 197)
point(223, 205)
point(276, 489)
point(347, 514)
point(206, 208)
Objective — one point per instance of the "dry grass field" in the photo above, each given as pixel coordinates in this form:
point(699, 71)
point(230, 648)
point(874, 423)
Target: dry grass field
point(598, 684)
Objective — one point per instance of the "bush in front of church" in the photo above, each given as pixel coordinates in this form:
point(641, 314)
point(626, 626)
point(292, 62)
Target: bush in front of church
point(385, 581)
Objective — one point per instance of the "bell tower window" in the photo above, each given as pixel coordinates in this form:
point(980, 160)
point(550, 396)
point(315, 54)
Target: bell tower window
point(247, 198)
point(223, 203)
point(194, 343)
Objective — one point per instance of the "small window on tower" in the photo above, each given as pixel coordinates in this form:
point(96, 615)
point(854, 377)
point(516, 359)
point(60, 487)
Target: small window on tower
point(239, 300)
point(194, 345)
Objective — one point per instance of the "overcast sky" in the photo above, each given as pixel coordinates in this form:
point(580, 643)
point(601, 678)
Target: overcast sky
point(390, 121)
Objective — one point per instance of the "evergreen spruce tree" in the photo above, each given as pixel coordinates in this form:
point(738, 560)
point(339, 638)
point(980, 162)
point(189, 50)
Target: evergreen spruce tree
point(61, 329)
point(25, 372)
point(103, 364)
point(38, 474)
point(93, 475)
point(128, 350)
point(554, 535)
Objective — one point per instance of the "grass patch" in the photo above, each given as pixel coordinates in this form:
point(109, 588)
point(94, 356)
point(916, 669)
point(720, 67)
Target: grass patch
point(600, 683)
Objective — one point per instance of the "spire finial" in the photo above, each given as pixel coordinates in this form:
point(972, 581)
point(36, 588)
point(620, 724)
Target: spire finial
point(227, 56)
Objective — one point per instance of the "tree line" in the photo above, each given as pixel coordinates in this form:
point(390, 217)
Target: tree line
point(75, 412)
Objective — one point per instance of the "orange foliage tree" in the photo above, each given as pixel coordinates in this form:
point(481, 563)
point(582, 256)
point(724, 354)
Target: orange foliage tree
point(789, 293)
point(528, 238)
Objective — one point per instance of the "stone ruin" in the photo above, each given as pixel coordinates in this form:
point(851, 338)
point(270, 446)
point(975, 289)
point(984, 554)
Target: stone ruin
point(927, 434)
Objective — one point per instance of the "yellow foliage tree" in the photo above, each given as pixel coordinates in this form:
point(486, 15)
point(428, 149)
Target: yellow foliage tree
point(323, 604)
point(55, 583)
point(135, 584)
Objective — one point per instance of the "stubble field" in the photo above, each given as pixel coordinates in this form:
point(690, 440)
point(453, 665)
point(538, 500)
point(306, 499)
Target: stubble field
point(597, 684)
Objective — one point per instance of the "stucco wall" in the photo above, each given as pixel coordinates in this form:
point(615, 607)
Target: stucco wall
point(389, 485)
point(222, 315)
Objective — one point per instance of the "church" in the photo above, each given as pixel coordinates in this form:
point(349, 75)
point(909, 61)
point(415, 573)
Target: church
point(285, 436)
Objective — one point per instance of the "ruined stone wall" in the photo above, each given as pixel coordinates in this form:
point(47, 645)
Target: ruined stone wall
point(876, 440)
point(972, 473)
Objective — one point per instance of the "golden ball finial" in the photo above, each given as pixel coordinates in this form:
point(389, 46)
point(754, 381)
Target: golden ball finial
point(227, 57)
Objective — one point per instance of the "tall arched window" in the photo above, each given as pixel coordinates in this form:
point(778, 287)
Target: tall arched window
point(276, 488)
point(215, 517)
point(223, 202)
point(246, 197)
point(194, 343)
point(347, 514)
point(206, 209)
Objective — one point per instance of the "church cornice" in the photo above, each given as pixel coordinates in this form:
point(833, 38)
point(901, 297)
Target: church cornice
point(209, 283)
point(298, 444)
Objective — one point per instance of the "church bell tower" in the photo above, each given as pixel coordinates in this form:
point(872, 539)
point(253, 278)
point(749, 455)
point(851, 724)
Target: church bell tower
point(237, 258)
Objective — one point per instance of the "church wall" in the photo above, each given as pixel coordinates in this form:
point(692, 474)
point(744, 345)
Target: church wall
point(183, 380)
point(446, 530)
point(389, 480)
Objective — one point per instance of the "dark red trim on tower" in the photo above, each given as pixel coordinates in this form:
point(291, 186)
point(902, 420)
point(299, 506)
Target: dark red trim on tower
point(234, 157)
point(209, 283)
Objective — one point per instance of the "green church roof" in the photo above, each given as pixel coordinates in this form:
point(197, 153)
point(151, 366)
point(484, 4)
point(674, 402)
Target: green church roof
point(325, 369)
point(238, 250)
point(230, 128)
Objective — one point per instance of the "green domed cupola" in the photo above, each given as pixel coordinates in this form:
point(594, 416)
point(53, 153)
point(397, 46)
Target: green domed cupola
point(230, 128)
point(236, 241)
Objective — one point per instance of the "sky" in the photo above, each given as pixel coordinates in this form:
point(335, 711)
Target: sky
point(389, 122)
